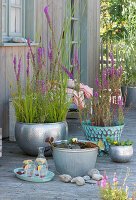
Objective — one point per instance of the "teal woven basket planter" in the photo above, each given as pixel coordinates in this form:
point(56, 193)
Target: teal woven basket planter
point(96, 133)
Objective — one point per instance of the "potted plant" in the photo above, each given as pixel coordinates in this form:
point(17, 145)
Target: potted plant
point(74, 157)
point(41, 106)
point(120, 151)
point(106, 118)
point(126, 56)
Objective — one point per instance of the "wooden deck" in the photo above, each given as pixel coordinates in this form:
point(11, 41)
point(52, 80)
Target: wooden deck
point(12, 188)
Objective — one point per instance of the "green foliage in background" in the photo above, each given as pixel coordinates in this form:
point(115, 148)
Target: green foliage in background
point(118, 18)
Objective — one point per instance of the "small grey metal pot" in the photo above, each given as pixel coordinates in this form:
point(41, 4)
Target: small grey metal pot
point(75, 162)
point(121, 154)
point(30, 137)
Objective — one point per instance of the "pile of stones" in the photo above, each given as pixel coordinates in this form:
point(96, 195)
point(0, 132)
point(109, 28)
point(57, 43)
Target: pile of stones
point(92, 178)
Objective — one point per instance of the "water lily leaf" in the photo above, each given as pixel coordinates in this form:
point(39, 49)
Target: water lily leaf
point(101, 145)
point(69, 140)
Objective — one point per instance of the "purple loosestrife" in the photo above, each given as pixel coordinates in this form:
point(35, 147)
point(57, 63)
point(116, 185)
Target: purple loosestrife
point(96, 94)
point(97, 82)
point(19, 70)
point(112, 59)
point(104, 78)
point(120, 102)
point(50, 51)
point(47, 15)
point(68, 72)
point(28, 62)
point(30, 48)
point(15, 64)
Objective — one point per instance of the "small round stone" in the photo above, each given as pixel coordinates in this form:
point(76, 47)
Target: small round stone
point(91, 181)
point(97, 177)
point(65, 178)
point(86, 178)
point(93, 171)
point(78, 180)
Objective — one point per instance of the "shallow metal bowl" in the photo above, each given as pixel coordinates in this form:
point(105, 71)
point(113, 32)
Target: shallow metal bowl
point(75, 162)
point(121, 154)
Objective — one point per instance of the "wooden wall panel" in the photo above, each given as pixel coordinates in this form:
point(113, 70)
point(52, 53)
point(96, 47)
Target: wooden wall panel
point(0, 142)
point(2, 86)
point(93, 40)
point(0, 21)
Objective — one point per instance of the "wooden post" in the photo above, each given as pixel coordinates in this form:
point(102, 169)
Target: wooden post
point(93, 40)
point(0, 142)
point(0, 21)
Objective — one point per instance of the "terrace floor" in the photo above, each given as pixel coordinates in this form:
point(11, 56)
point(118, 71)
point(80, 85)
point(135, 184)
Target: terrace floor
point(12, 188)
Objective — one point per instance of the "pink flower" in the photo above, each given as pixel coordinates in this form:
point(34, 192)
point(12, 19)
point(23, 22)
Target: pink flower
point(98, 184)
point(103, 183)
point(105, 177)
point(115, 180)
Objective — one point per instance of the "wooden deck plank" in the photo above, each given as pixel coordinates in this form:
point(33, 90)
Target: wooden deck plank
point(13, 188)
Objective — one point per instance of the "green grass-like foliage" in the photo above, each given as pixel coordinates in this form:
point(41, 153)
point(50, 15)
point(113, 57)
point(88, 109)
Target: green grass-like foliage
point(113, 142)
point(44, 97)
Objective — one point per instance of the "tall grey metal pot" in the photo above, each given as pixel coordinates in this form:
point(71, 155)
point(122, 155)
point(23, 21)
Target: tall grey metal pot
point(131, 95)
point(75, 162)
point(31, 136)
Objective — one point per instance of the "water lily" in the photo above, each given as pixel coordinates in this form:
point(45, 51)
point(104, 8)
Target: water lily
point(74, 140)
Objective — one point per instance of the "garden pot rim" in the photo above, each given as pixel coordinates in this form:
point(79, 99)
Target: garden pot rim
point(41, 123)
point(76, 150)
point(121, 146)
point(102, 126)
point(129, 86)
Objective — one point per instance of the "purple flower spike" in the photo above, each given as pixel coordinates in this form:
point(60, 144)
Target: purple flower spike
point(120, 102)
point(112, 59)
point(47, 14)
point(97, 82)
point(28, 55)
point(96, 94)
point(27, 71)
point(120, 68)
point(118, 73)
point(15, 62)
point(104, 77)
point(19, 66)
point(28, 42)
point(68, 72)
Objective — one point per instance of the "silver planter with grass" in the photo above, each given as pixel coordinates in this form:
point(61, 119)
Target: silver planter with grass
point(75, 162)
point(121, 154)
point(30, 137)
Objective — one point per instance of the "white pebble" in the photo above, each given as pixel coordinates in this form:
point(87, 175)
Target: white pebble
point(93, 171)
point(65, 178)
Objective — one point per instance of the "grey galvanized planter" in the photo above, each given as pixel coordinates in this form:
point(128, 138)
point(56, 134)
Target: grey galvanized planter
point(131, 95)
point(30, 137)
point(121, 154)
point(75, 162)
